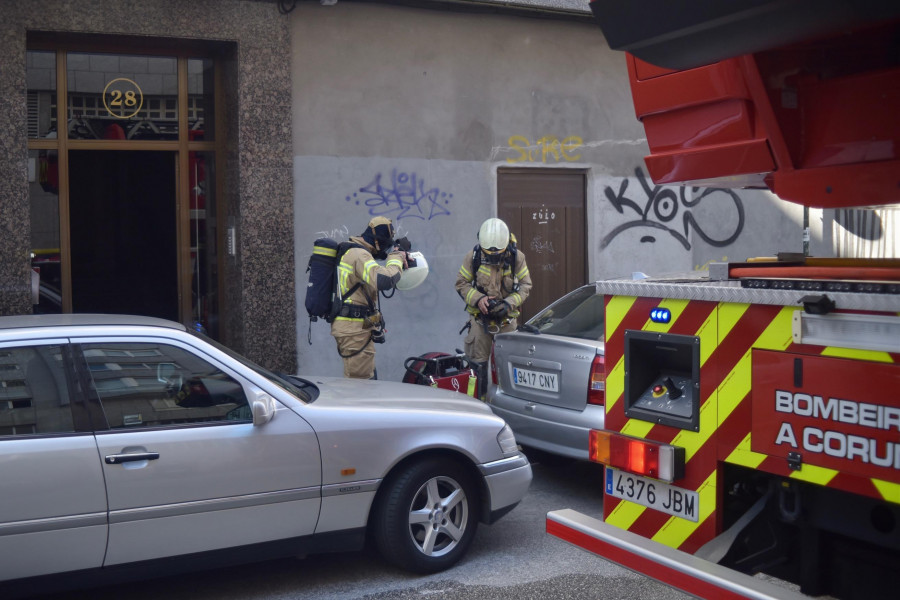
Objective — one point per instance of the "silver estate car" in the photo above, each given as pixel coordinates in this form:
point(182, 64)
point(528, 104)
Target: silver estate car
point(550, 376)
point(133, 445)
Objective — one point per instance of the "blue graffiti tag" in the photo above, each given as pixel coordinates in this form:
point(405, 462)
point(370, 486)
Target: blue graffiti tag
point(405, 196)
point(664, 204)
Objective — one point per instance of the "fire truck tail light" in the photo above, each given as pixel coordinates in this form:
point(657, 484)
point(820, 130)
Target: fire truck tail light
point(637, 456)
point(597, 382)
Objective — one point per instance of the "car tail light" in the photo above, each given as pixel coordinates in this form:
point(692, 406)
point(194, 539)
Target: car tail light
point(597, 382)
point(493, 367)
point(636, 455)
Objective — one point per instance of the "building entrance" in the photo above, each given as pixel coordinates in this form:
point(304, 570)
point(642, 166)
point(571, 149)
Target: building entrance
point(124, 185)
point(123, 232)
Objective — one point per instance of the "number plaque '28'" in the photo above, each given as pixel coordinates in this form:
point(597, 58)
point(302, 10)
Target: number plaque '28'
point(122, 98)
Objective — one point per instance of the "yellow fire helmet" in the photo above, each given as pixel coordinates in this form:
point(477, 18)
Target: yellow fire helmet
point(414, 275)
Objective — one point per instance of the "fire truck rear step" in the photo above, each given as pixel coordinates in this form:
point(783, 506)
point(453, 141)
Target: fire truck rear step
point(689, 573)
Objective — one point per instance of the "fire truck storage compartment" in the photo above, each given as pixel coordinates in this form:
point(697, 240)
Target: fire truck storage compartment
point(662, 378)
point(830, 412)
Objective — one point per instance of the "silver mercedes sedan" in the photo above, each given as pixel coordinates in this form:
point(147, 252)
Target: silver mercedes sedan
point(133, 446)
point(550, 376)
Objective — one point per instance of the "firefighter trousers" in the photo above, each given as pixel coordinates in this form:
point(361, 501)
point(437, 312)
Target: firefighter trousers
point(478, 342)
point(362, 364)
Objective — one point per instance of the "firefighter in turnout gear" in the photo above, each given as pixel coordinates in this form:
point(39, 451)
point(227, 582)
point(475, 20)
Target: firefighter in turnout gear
point(360, 325)
point(494, 282)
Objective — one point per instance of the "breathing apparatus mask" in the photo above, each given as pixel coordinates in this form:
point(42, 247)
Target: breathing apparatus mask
point(380, 234)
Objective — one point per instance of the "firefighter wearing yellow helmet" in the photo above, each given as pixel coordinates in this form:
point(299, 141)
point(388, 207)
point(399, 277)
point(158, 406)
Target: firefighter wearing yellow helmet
point(494, 282)
point(360, 325)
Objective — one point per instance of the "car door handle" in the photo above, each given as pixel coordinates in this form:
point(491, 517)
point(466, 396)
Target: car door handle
point(530, 407)
point(114, 459)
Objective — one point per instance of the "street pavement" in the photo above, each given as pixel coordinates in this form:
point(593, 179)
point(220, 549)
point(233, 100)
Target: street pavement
point(514, 558)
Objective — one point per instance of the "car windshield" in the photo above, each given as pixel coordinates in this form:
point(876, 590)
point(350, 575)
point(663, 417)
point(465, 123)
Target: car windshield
point(292, 385)
point(578, 314)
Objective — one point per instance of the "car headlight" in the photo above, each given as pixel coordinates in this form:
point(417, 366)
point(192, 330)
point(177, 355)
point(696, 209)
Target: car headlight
point(507, 440)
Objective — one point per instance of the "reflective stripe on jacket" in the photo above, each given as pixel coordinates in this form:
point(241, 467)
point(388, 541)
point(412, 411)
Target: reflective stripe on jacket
point(358, 266)
point(496, 280)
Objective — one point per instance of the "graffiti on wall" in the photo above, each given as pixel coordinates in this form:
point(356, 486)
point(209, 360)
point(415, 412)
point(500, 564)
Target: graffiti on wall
point(335, 233)
point(547, 149)
point(402, 195)
point(541, 246)
point(658, 207)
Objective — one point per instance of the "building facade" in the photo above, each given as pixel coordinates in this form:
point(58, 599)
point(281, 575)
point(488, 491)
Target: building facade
point(146, 165)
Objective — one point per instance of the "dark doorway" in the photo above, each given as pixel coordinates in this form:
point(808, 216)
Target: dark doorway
point(123, 232)
point(545, 210)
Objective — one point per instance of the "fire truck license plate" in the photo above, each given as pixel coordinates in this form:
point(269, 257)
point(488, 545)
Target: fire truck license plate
point(548, 382)
point(653, 494)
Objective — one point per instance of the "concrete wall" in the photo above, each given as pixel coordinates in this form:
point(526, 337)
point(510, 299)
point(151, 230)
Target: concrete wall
point(410, 112)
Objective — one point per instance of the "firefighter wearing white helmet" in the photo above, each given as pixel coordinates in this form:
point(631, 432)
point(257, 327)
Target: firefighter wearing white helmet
point(494, 282)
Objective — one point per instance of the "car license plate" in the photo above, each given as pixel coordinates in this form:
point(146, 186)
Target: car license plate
point(548, 382)
point(653, 494)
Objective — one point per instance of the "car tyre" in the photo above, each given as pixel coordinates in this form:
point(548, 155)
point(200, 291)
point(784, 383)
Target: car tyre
point(427, 515)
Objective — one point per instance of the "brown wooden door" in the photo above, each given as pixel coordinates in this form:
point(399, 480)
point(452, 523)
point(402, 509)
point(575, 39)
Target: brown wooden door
point(545, 210)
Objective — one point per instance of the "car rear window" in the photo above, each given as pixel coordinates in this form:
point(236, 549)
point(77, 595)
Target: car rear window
point(578, 314)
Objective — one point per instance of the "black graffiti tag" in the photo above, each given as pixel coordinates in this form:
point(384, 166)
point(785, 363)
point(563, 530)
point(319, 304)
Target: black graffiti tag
point(661, 207)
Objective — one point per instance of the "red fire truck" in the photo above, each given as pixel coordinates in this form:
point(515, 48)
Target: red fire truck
point(753, 413)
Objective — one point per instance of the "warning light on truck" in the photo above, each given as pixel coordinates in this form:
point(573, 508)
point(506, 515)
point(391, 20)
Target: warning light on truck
point(637, 456)
point(660, 315)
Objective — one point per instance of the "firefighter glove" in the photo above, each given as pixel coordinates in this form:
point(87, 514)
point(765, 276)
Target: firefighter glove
point(500, 310)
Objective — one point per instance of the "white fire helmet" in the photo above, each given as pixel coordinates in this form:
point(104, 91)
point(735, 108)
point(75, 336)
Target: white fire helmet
point(493, 237)
point(414, 275)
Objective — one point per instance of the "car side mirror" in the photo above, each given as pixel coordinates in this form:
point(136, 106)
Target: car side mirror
point(263, 408)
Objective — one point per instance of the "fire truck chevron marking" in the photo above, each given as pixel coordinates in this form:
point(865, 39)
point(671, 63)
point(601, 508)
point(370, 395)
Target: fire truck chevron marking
point(637, 428)
point(616, 309)
point(814, 474)
point(691, 441)
point(615, 384)
point(889, 491)
point(676, 531)
point(772, 338)
point(871, 355)
point(728, 316)
point(744, 456)
point(624, 514)
point(707, 329)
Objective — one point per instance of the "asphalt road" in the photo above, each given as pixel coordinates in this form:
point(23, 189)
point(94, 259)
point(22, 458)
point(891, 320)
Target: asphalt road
point(514, 558)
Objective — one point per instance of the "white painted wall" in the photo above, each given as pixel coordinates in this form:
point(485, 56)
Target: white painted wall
point(410, 112)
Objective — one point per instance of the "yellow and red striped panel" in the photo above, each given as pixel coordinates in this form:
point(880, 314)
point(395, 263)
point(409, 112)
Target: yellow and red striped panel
point(728, 332)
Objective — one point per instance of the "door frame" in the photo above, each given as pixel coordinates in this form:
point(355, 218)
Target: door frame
point(529, 309)
point(182, 51)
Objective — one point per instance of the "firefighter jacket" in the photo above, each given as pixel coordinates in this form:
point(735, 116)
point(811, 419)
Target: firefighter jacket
point(358, 265)
point(494, 280)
